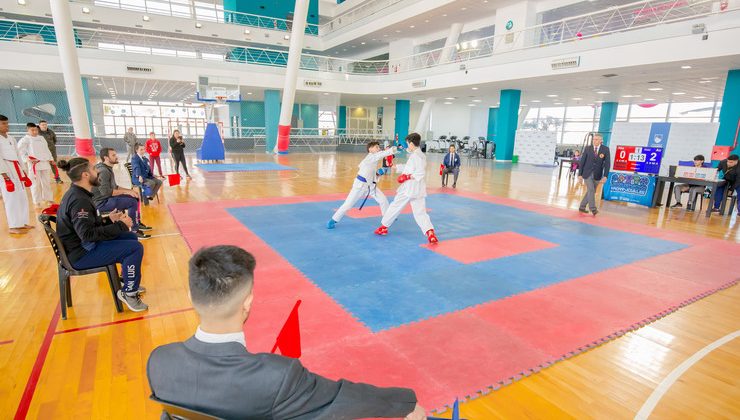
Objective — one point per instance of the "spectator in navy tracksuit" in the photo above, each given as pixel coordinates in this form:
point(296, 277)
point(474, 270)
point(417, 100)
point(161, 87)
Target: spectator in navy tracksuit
point(729, 168)
point(451, 164)
point(91, 241)
point(143, 176)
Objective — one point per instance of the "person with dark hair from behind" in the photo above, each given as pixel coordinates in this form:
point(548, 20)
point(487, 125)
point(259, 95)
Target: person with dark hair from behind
point(214, 372)
point(143, 176)
point(91, 241)
point(728, 168)
point(177, 150)
point(51, 140)
point(108, 196)
point(693, 190)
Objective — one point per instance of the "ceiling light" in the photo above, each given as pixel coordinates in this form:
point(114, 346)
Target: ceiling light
point(705, 81)
point(450, 99)
point(448, 103)
point(192, 83)
point(86, 10)
point(326, 93)
point(709, 78)
point(471, 104)
point(475, 88)
point(249, 93)
point(145, 18)
point(679, 93)
point(426, 21)
point(552, 96)
point(523, 105)
point(445, 15)
point(198, 25)
point(99, 84)
point(464, 9)
point(385, 97)
point(286, 37)
point(362, 43)
point(557, 103)
point(535, 101)
point(649, 99)
point(22, 2)
point(412, 26)
point(699, 97)
point(603, 92)
point(576, 99)
point(655, 89)
point(17, 87)
point(421, 100)
point(398, 31)
point(685, 67)
point(24, 89)
point(247, 32)
point(477, 100)
point(630, 96)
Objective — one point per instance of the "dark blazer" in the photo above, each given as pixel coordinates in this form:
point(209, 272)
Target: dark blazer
point(451, 164)
point(730, 173)
point(594, 164)
point(140, 168)
point(225, 380)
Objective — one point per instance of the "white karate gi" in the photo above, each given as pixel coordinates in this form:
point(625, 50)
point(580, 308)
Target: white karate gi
point(368, 171)
point(40, 172)
point(413, 190)
point(16, 202)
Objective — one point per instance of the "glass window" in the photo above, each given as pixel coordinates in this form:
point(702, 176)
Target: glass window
point(691, 112)
point(622, 112)
point(648, 112)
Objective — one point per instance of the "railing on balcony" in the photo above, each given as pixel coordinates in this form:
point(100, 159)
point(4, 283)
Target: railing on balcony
point(356, 14)
point(199, 11)
point(630, 17)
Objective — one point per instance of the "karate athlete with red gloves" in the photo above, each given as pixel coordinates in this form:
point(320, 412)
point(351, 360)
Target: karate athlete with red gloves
point(413, 189)
point(14, 182)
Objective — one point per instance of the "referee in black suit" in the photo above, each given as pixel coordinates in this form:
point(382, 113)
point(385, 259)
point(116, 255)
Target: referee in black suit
point(593, 169)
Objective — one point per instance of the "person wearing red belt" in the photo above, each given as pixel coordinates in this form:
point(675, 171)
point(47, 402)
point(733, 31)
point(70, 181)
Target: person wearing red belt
point(14, 182)
point(34, 150)
point(154, 148)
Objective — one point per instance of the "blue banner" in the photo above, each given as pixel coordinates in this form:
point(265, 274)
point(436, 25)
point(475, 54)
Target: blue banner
point(659, 134)
point(630, 188)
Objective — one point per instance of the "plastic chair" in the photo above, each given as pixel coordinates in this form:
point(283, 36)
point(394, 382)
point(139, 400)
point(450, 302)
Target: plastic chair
point(177, 412)
point(66, 270)
point(131, 174)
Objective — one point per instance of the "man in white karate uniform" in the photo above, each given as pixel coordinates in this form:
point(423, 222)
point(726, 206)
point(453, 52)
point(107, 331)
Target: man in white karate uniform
point(13, 183)
point(413, 189)
point(365, 184)
point(34, 150)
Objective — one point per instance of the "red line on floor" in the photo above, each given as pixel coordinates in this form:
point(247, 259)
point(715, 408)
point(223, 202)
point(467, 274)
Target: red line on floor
point(5, 342)
point(122, 321)
point(33, 379)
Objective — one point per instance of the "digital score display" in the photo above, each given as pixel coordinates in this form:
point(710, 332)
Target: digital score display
point(638, 159)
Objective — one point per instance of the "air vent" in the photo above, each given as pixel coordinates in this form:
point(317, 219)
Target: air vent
point(655, 82)
point(138, 26)
point(416, 84)
point(609, 75)
point(178, 30)
point(214, 35)
point(138, 69)
point(47, 14)
point(566, 63)
point(96, 20)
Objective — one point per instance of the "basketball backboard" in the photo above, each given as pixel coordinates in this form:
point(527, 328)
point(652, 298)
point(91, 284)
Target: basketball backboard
point(210, 87)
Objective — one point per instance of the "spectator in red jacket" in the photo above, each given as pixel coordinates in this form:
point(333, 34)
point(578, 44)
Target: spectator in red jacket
point(154, 148)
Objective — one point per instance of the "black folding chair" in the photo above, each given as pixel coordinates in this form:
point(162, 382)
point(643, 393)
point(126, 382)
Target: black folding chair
point(66, 270)
point(140, 187)
point(178, 412)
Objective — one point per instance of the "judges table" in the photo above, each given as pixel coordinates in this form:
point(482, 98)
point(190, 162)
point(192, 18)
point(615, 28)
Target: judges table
point(563, 161)
point(672, 180)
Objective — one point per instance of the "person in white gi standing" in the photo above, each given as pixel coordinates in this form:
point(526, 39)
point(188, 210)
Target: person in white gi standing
point(34, 150)
point(365, 184)
point(413, 189)
point(13, 191)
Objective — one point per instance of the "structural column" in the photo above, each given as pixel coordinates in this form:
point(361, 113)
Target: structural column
point(72, 80)
point(450, 42)
point(492, 119)
point(272, 118)
point(729, 115)
point(88, 106)
point(423, 123)
point(403, 109)
point(506, 124)
point(291, 74)
point(606, 120)
point(342, 120)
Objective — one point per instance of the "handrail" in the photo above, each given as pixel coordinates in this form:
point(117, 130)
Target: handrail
point(357, 13)
point(201, 11)
point(633, 16)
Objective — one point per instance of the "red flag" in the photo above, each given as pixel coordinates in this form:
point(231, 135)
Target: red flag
point(289, 339)
point(174, 179)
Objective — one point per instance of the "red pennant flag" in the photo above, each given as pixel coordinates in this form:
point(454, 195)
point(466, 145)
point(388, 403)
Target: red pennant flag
point(289, 339)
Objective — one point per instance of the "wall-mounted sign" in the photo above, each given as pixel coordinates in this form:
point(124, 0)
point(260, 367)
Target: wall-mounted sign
point(312, 83)
point(509, 25)
point(419, 83)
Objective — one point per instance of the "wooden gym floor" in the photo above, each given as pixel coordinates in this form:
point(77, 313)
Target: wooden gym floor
point(93, 364)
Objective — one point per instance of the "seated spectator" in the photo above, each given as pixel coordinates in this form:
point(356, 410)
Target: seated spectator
point(451, 164)
point(693, 190)
point(142, 175)
point(728, 169)
point(108, 196)
point(92, 242)
point(213, 372)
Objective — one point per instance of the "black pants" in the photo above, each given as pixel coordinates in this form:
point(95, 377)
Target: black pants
point(180, 158)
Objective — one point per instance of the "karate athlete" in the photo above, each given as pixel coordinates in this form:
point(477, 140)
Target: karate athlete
point(34, 150)
point(13, 183)
point(365, 184)
point(413, 189)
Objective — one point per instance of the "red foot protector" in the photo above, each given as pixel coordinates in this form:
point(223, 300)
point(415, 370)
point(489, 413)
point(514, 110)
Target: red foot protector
point(283, 139)
point(9, 186)
point(84, 147)
point(488, 247)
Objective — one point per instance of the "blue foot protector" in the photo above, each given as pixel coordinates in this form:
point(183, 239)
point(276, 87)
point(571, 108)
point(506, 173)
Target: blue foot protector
point(331, 224)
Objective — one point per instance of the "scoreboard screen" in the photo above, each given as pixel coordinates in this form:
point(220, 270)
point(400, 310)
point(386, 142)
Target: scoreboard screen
point(638, 159)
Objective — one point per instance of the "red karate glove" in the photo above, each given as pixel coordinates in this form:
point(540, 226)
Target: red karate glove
point(26, 180)
point(441, 169)
point(9, 184)
point(403, 178)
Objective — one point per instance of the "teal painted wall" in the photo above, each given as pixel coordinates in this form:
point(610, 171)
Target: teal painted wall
point(253, 114)
point(280, 9)
point(492, 118)
point(606, 120)
point(730, 112)
point(403, 108)
point(342, 120)
point(310, 115)
point(88, 107)
point(506, 123)
point(272, 118)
